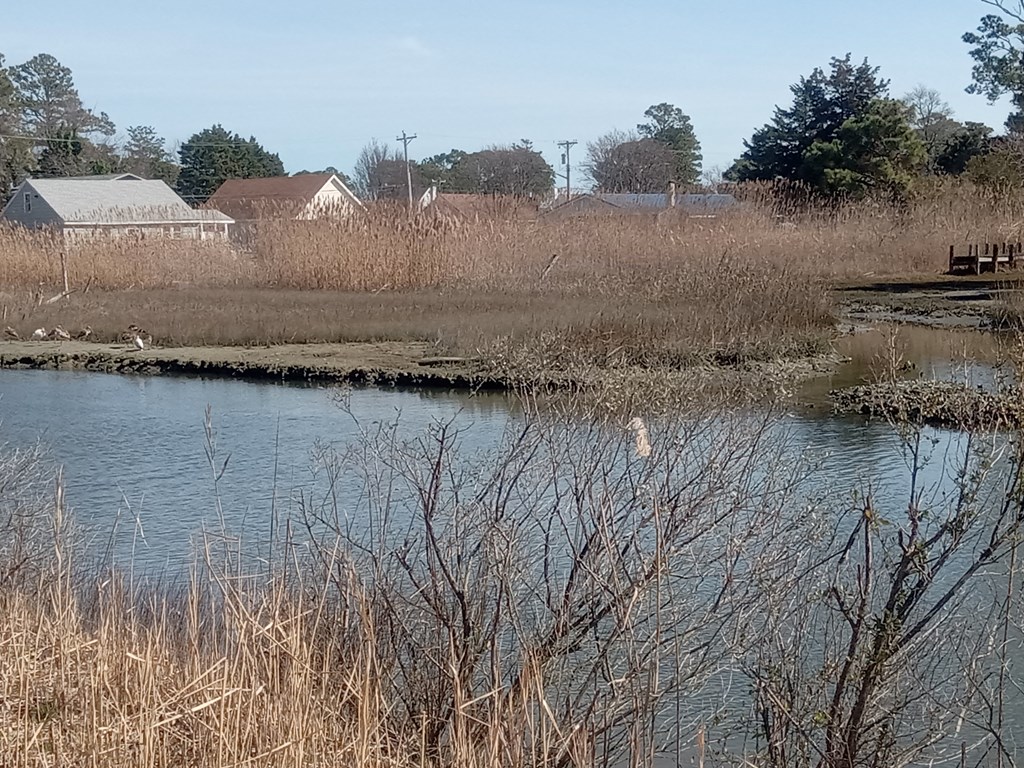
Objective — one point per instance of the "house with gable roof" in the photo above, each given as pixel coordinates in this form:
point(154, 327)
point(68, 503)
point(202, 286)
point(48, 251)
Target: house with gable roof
point(303, 197)
point(118, 205)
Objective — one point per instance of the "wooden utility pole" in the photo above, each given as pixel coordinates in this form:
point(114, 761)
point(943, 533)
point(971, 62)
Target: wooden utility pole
point(567, 145)
point(408, 171)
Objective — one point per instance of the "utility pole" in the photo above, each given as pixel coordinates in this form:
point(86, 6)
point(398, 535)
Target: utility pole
point(567, 145)
point(408, 171)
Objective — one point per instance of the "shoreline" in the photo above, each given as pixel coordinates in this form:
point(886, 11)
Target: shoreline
point(399, 364)
point(387, 363)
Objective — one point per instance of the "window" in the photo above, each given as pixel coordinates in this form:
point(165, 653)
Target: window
point(28, 203)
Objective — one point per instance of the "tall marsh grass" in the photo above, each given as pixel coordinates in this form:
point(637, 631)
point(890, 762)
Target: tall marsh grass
point(752, 283)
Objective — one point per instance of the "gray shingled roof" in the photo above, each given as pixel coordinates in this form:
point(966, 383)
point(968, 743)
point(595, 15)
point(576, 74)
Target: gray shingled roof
point(106, 177)
point(85, 201)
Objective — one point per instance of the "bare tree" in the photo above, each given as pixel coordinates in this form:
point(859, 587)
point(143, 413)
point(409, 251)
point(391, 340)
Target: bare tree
point(879, 632)
point(621, 162)
point(600, 149)
point(367, 171)
point(516, 170)
point(932, 118)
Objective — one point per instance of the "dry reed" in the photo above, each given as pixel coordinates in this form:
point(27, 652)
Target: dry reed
point(663, 289)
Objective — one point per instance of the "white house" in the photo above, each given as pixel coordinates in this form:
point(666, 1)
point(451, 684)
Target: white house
point(306, 196)
point(111, 207)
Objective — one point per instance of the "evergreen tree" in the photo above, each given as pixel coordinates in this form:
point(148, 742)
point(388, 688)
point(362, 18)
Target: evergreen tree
point(669, 126)
point(969, 141)
point(822, 103)
point(50, 103)
point(998, 53)
point(144, 154)
point(15, 154)
point(342, 176)
point(443, 170)
point(62, 155)
point(214, 155)
point(876, 151)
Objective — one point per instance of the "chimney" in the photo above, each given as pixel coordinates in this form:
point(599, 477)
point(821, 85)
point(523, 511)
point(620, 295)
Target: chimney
point(670, 195)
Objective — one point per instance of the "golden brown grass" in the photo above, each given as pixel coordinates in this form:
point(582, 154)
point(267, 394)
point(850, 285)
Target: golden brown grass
point(632, 288)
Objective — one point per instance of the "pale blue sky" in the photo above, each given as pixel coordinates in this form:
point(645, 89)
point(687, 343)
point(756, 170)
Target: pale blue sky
point(314, 81)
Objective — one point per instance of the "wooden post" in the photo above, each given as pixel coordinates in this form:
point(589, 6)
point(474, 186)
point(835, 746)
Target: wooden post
point(64, 271)
point(952, 250)
point(995, 257)
point(977, 259)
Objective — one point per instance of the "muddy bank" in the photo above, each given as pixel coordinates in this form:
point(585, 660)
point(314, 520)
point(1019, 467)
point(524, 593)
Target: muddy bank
point(936, 403)
point(407, 364)
point(969, 302)
point(410, 364)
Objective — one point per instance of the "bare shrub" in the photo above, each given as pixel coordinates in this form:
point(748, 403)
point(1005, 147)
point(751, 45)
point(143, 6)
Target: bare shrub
point(27, 486)
point(564, 598)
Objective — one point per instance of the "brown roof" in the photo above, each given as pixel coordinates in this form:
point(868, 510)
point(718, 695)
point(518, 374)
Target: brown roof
point(483, 206)
point(267, 197)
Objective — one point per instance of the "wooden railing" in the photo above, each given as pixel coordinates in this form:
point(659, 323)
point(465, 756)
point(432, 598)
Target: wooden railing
point(988, 257)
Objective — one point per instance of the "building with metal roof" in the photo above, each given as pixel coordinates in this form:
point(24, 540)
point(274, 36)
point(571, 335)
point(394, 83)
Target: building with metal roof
point(606, 202)
point(80, 207)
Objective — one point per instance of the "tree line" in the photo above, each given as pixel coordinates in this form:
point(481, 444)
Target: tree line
point(843, 135)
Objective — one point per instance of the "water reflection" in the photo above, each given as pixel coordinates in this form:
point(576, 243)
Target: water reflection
point(930, 353)
point(134, 449)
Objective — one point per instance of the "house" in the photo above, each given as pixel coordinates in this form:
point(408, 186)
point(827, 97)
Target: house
point(475, 207)
point(303, 197)
point(692, 205)
point(89, 208)
point(108, 177)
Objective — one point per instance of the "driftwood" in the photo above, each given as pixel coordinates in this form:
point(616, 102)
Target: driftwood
point(59, 296)
point(547, 269)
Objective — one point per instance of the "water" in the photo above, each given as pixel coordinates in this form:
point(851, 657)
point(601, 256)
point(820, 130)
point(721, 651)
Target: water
point(134, 450)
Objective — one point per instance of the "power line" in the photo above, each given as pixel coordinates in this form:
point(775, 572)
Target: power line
point(408, 171)
point(567, 145)
point(59, 140)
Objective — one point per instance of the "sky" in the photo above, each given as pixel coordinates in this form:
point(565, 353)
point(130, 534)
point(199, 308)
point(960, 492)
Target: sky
point(315, 80)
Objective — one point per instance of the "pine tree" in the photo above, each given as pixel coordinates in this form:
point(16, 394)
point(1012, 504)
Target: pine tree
point(822, 103)
point(670, 127)
point(214, 155)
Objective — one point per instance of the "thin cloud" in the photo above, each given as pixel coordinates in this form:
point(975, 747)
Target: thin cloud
point(410, 45)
